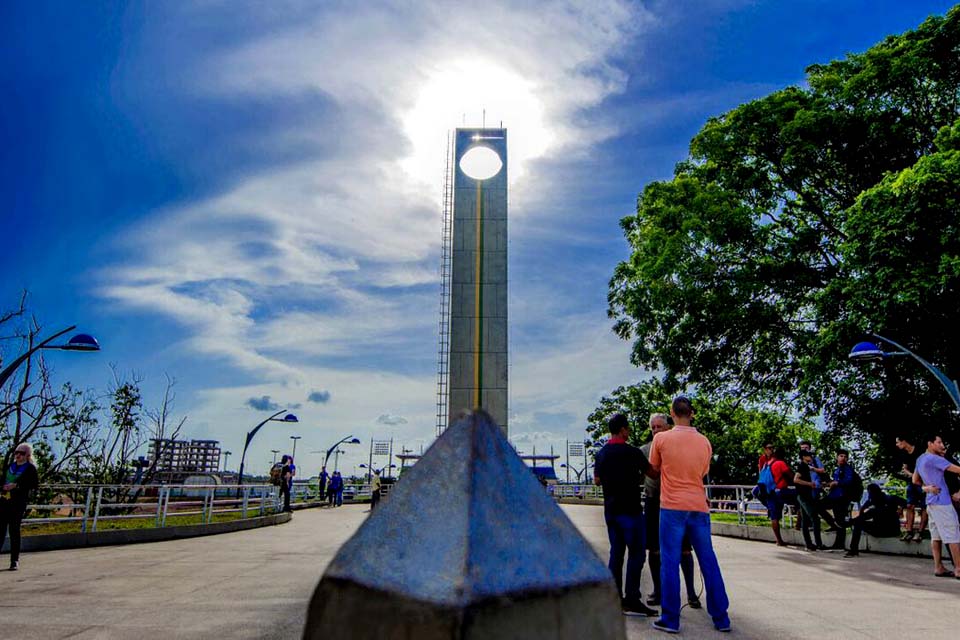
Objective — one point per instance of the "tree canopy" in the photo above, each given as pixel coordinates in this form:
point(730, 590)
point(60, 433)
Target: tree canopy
point(800, 222)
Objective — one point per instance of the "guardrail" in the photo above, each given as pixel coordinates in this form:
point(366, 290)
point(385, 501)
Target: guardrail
point(106, 503)
point(723, 498)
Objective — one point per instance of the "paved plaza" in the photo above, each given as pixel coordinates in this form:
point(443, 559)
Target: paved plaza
point(256, 584)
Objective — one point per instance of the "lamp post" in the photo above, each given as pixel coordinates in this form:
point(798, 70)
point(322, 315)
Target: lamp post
point(294, 454)
point(347, 440)
point(274, 452)
point(574, 469)
point(79, 342)
point(287, 418)
point(226, 457)
point(870, 352)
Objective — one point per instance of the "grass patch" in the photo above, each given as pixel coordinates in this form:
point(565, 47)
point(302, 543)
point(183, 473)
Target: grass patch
point(731, 518)
point(147, 522)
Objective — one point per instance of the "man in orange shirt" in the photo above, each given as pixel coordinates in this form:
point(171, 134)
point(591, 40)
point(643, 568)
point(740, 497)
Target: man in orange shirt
point(682, 456)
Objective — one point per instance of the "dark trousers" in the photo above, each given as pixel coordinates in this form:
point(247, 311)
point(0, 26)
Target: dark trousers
point(11, 515)
point(867, 521)
point(285, 493)
point(626, 538)
point(322, 491)
point(810, 508)
point(374, 499)
point(840, 507)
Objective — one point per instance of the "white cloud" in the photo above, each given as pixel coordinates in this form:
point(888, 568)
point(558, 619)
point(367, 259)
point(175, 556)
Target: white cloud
point(328, 257)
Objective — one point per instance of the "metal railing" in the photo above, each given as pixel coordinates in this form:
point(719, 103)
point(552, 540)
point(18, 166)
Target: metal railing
point(100, 504)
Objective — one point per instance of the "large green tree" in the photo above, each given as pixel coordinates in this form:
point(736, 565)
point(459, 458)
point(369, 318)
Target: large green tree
point(800, 222)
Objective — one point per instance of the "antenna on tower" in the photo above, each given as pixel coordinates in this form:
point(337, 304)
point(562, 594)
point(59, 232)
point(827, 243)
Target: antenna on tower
point(484, 120)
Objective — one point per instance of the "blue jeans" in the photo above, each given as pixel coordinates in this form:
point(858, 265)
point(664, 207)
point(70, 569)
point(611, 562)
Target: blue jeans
point(626, 534)
point(674, 525)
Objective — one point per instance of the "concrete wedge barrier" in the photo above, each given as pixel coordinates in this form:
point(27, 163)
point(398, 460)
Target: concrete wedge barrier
point(468, 546)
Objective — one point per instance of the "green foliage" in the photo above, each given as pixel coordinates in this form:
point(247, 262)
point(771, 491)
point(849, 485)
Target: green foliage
point(737, 433)
point(800, 222)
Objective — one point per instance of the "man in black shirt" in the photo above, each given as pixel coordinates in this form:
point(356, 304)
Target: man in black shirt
point(908, 453)
point(809, 500)
point(619, 469)
point(879, 517)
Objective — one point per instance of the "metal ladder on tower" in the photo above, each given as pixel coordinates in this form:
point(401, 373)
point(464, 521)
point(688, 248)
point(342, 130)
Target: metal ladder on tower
point(446, 258)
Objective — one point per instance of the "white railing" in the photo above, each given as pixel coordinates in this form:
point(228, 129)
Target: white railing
point(99, 504)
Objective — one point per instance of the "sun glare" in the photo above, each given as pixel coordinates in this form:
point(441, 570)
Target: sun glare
point(456, 95)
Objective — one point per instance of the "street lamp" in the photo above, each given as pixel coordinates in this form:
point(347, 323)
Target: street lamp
point(226, 457)
point(287, 418)
point(79, 342)
point(347, 440)
point(574, 469)
point(872, 352)
point(274, 452)
point(294, 454)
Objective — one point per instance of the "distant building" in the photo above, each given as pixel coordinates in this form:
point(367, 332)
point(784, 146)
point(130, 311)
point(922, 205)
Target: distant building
point(177, 459)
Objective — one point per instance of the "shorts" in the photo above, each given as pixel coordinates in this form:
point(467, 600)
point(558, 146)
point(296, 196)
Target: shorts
point(774, 507)
point(916, 497)
point(944, 525)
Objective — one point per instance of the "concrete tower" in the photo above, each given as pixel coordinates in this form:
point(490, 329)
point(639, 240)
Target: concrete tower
point(478, 291)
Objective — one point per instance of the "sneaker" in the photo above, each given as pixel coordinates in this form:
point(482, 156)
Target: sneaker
point(636, 607)
point(660, 625)
point(15, 565)
point(723, 628)
point(907, 536)
point(918, 536)
point(694, 603)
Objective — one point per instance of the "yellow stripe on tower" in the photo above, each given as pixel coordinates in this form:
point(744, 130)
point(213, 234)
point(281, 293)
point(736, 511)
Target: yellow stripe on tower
point(478, 298)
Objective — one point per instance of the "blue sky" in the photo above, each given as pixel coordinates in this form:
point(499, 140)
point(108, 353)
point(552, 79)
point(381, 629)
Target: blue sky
point(245, 196)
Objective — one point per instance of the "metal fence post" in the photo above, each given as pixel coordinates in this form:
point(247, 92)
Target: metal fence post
point(246, 496)
point(86, 510)
point(166, 505)
point(96, 511)
point(213, 499)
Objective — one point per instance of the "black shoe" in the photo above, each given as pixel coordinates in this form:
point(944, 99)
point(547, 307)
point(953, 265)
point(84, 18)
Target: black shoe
point(851, 554)
point(15, 565)
point(811, 547)
point(653, 601)
point(636, 607)
point(694, 603)
point(660, 625)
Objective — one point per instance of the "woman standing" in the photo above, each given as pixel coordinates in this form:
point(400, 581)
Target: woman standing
point(18, 481)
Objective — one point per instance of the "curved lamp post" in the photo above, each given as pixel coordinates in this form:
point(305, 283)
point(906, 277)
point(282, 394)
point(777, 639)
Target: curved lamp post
point(347, 440)
point(79, 342)
point(287, 418)
point(574, 469)
point(871, 351)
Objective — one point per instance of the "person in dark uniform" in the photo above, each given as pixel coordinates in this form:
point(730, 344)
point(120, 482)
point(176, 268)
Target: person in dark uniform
point(619, 468)
point(286, 480)
point(19, 479)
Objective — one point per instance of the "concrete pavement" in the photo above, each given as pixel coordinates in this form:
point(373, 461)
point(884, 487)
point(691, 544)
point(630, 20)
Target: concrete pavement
point(256, 584)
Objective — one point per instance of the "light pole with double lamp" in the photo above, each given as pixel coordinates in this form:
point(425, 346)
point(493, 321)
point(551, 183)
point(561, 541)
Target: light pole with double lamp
point(872, 352)
point(287, 418)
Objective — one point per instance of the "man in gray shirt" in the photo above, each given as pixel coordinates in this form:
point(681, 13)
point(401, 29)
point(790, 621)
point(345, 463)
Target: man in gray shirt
point(651, 491)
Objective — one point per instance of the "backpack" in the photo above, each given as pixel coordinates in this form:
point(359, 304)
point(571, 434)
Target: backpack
point(276, 475)
point(766, 485)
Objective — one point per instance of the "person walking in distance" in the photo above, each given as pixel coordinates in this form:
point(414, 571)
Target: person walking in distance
point(19, 479)
point(286, 481)
point(322, 482)
point(619, 468)
point(944, 525)
point(651, 515)
point(375, 486)
point(682, 455)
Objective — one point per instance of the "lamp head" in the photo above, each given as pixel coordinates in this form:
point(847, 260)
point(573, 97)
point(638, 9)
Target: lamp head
point(81, 342)
point(866, 352)
point(290, 418)
point(355, 441)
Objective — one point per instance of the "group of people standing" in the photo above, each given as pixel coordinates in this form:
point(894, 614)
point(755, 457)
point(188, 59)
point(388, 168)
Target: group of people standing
point(668, 524)
point(331, 487)
point(932, 490)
